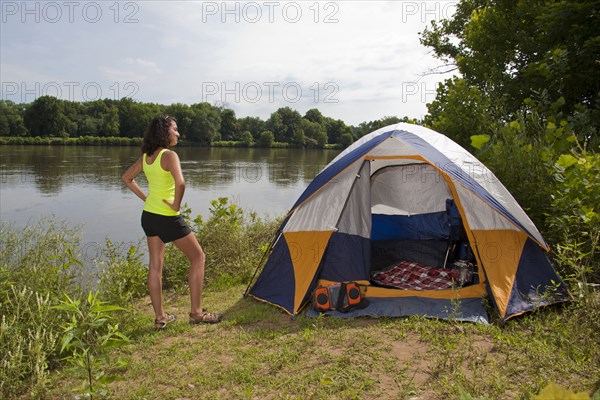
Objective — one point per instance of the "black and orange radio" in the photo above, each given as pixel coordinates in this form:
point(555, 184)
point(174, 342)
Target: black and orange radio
point(339, 296)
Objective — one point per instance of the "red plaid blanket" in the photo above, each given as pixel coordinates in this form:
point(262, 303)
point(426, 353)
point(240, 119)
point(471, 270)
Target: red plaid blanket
point(414, 276)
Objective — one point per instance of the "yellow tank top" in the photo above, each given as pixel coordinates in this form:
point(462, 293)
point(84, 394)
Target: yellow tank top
point(161, 185)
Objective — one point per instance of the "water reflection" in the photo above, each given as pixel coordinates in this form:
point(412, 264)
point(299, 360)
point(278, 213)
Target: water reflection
point(50, 168)
point(82, 184)
point(280, 167)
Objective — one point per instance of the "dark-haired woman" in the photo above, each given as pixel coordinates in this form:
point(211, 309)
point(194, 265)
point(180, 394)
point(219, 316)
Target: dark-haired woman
point(161, 219)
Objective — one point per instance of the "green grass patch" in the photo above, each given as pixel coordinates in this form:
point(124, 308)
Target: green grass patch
point(258, 351)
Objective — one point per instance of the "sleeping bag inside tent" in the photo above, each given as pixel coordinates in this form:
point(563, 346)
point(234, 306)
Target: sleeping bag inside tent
point(420, 224)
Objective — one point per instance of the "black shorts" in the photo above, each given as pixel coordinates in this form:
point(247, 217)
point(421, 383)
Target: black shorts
point(167, 228)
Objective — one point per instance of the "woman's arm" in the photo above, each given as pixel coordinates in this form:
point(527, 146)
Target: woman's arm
point(174, 167)
point(129, 178)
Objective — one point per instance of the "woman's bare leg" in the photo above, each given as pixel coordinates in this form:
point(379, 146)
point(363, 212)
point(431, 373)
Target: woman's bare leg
point(156, 248)
point(191, 248)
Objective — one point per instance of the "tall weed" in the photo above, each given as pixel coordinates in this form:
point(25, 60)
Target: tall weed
point(28, 341)
point(41, 256)
point(38, 263)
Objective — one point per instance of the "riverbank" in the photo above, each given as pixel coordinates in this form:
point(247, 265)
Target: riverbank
point(59, 332)
point(258, 352)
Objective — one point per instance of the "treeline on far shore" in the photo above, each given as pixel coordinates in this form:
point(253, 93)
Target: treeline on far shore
point(73, 141)
point(120, 141)
point(49, 120)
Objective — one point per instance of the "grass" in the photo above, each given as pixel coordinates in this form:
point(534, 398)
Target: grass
point(258, 352)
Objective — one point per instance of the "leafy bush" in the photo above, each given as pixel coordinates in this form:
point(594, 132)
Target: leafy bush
point(543, 160)
point(39, 267)
point(266, 139)
point(233, 241)
point(122, 275)
point(576, 219)
point(41, 256)
point(88, 335)
point(521, 164)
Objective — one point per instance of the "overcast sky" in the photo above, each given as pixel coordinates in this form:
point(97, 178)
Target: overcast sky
point(353, 60)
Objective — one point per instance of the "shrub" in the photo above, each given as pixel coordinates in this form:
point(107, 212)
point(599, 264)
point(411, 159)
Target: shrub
point(233, 241)
point(521, 164)
point(122, 274)
point(38, 265)
point(41, 256)
point(266, 139)
point(87, 338)
point(247, 139)
point(576, 219)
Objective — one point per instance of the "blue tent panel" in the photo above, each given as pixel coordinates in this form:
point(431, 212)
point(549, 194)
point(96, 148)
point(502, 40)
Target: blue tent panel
point(348, 257)
point(470, 310)
point(536, 282)
point(421, 226)
point(276, 284)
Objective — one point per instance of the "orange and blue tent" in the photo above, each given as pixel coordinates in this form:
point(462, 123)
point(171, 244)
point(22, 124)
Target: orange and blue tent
point(401, 193)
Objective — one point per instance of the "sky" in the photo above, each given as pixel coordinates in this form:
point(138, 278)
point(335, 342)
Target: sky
point(353, 60)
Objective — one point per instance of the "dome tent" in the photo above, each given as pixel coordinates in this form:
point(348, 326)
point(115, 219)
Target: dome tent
point(396, 194)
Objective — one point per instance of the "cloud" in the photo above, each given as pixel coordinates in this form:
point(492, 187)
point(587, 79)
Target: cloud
point(352, 60)
point(130, 70)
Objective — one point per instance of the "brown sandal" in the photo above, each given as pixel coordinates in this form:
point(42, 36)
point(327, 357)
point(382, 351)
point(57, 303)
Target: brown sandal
point(205, 317)
point(162, 323)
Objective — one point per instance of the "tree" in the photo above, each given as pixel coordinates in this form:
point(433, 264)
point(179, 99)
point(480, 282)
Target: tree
point(205, 124)
point(459, 111)
point(134, 117)
point(109, 122)
point(315, 134)
point(513, 50)
point(346, 140)
point(368, 127)
point(335, 129)
point(253, 125)
point(88, 126)
point(286, 124)
point(4, 126)
point(229, 125)
point(275, 125)
point(184, 116)
point(11, 119)
point(247, 139)
point(530, 78)
point(266, 139)
point(95, 118)
point(314, 115)
point(298, 138)
point(45, 117)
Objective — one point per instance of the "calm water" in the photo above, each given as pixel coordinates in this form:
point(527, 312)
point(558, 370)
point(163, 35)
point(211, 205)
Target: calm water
point(82, 185)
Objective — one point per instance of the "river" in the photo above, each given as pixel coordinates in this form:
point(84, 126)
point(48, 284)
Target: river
point(81, 185)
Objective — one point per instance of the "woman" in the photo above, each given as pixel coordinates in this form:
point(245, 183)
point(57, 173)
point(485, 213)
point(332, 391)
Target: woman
point(161, 219)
